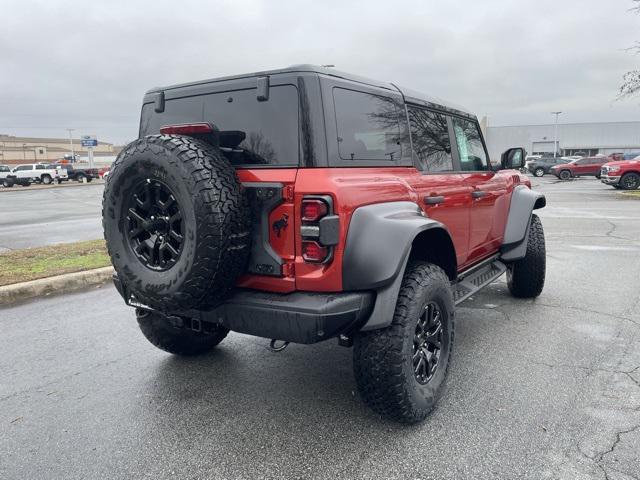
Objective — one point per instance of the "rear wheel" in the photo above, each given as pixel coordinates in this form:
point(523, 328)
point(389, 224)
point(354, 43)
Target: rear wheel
point(525, 277)
point(630, 181)
point(46, 179)
point(81, 178)
point(400, 370)
point(565, 175)
point(538, 172)
point(7, 183)
point(161, 332)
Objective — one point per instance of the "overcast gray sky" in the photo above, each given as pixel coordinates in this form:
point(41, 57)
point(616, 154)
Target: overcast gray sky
point(86, 65)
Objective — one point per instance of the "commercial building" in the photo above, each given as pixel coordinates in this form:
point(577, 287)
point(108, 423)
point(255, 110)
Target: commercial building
point(573, 138)
point(15, 150)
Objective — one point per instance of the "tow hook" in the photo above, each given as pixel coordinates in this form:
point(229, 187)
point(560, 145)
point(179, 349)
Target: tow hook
point(274, 348)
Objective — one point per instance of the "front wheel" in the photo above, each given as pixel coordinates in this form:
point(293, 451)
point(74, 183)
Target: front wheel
point(159, 330)
point(538, 172)
point(630, 181)
point(400, 370)
point(525, 277)
point(46, 179)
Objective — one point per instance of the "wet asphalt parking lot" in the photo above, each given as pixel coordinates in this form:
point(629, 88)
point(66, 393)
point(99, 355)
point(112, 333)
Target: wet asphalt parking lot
point(36, 216)
point(540, 389)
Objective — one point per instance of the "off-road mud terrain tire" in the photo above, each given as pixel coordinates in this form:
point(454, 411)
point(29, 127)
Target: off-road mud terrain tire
point(177, 340)
point(215, 221)
point(525, 277)
point(383, 359)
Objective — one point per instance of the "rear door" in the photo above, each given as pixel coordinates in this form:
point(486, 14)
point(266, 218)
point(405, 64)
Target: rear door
point(597, 165)
point(443, 194)
point(582, 166)
point(488, 190)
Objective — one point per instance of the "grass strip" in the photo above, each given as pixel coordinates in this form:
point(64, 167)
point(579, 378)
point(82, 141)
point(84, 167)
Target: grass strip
point(632, 194)
point(33, 263)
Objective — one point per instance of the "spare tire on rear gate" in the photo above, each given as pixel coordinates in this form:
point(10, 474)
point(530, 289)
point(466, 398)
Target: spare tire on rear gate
point(176, 222)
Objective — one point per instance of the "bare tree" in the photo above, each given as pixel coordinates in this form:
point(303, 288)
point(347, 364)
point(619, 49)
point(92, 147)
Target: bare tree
point(631, 80)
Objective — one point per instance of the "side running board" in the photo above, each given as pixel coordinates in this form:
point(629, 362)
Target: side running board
point(476, 278)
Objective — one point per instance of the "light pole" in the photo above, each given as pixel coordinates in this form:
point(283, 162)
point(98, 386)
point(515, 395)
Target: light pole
point(73, 155)
point(555, 135)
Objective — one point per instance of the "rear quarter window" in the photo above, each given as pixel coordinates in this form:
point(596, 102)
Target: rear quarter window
point(252, 133)
point(368, 126)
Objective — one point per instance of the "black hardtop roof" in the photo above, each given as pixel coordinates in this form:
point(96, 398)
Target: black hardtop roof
point(411, 96)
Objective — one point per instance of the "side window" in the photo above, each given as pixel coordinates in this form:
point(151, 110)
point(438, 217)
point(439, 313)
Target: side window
point(368, 126)
point(472, 155)
point(41, 167)
point(430, 138)
point(23, 168)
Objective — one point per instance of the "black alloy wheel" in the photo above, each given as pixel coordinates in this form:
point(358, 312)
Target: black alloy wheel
point(155, 225)
point(630, 181)
point(565, 175)
point(427, 343)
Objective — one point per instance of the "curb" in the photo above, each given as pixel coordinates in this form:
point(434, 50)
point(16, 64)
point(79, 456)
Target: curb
point(66, 283)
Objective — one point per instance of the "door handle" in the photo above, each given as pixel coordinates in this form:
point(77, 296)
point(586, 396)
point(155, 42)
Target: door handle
point(478, 194)
point(434, 200)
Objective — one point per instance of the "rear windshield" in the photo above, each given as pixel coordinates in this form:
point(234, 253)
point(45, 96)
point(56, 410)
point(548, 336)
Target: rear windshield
point(251, 132)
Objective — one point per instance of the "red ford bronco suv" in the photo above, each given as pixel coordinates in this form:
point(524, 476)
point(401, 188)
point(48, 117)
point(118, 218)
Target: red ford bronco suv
point(305, 204)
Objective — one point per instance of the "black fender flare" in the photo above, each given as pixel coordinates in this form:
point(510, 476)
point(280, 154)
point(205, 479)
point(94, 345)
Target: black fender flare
point(379, 241)
point(523, 202)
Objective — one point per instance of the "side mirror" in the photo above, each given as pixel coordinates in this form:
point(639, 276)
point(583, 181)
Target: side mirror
point(512, 158)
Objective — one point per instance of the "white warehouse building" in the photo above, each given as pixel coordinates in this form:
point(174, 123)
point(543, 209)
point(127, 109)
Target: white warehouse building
point(573, 138)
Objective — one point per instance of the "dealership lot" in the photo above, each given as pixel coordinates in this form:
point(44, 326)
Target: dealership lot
point(548, 388)
point(37, 216)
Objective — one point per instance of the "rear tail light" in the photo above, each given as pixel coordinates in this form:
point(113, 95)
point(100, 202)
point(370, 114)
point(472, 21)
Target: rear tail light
point(187, 129)
point(313, 210)
point(314, 252)
point(317, 224)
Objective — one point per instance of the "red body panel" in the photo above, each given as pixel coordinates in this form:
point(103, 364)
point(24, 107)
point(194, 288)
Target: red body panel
point(626, 166)
point(476, 225)
point(578, 168)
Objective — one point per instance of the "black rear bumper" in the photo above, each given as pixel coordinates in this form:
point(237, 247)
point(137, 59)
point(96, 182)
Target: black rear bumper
point(299, 317)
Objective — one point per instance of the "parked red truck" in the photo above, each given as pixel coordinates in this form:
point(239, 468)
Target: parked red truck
point(624, 174)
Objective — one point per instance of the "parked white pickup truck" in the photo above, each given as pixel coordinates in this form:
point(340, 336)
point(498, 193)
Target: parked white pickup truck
point(35, 173)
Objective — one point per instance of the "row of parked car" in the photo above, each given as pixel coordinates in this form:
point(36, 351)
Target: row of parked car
point(619, 170)
point(46, 174)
